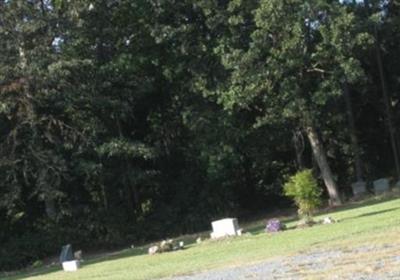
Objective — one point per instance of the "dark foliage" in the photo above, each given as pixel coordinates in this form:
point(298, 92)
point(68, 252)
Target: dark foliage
point(134, 120)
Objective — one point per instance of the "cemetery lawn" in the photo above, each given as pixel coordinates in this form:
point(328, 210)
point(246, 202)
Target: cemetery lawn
point(375, 221)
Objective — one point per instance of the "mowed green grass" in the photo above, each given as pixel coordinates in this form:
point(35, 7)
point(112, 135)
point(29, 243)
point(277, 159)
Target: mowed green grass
point(373, 221)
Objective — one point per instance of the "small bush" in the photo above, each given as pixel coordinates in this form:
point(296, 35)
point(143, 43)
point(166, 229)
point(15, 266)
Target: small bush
point(303, 188)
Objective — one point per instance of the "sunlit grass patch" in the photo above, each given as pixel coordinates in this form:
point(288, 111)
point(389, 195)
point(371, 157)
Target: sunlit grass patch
point(374, 222)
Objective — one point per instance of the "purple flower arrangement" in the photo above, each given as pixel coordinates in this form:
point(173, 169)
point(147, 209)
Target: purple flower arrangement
point(274, 225)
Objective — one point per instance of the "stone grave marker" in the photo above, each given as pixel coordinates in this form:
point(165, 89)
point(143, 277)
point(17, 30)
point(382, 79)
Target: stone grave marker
point(225, 227)
point(153, 250)
point(381, 185)
point(66, 254)
point(70, 266)
point(67, 259)
point(359, 188)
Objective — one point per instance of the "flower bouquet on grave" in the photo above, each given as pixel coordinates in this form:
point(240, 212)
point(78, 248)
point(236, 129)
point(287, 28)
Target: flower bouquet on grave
point(274, 225)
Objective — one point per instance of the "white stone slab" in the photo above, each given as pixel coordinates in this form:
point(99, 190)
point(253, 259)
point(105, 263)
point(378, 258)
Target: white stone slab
point(381, 185)
point(70, 265)
point(225, 227)
point(359, 188)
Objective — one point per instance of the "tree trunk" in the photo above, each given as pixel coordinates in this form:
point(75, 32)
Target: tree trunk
point(50, 208)
point(385, 95)
point(134, 195)
point(104, 195)
point(387, 105)
point(298, 142)
point(320, 157)
point(353, 135)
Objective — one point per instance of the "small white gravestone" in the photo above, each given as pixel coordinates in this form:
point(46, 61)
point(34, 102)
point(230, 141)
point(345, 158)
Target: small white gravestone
point(328, 220)
point(225, 227)
point(70, 265)
point(381, 185)
point(153, 250)
point(359, 188)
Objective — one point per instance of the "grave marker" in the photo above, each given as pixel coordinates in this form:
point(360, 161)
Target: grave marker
point(381, 185)
point(66, 254)
point(70, 266)
point(225, 227)
point(359, 188)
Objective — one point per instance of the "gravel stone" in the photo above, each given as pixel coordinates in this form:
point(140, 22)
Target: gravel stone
point(303, 265)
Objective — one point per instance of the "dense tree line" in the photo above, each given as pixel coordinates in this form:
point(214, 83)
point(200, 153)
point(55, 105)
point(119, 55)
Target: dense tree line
point(129, 120)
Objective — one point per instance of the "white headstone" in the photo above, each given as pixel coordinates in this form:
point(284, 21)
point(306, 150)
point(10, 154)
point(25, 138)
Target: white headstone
point(359, 188)
point(153, 250)
point(70, 265)
point(381, 185)
point(328, 220)
point(225, 227)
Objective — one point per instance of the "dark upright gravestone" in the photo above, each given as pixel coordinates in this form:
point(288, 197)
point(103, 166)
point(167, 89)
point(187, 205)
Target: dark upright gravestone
point(381, 185)
point(66, 254)
point(359, 188)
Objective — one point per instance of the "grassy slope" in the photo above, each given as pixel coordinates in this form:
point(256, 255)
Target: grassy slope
point(372, 222)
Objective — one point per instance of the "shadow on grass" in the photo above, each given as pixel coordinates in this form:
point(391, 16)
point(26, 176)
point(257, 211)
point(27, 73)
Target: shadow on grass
point(366, 201)
point(189, 240)
point(371, 214)
point(259, 228)
point(255, 229)
point(57, 267)
point(35, 272)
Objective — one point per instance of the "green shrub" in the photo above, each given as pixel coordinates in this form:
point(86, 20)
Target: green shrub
point(303, 188)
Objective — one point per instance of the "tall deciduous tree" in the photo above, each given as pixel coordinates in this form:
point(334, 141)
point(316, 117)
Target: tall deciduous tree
point(291, 66)
point(377, 20)
point(33, 135)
